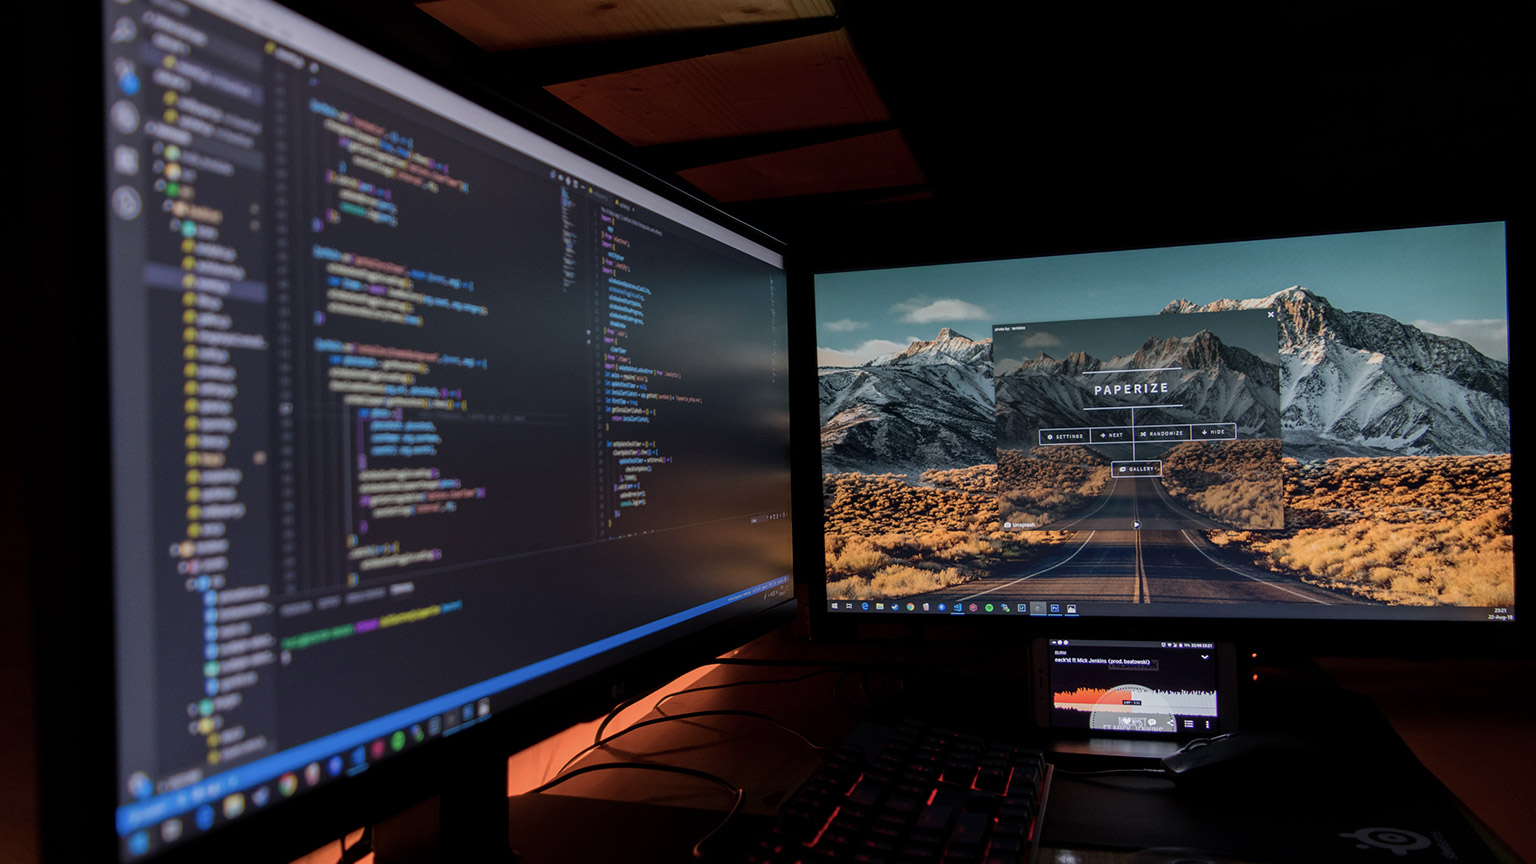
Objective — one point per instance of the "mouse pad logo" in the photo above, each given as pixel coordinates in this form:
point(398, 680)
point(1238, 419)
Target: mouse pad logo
point(1400, 842)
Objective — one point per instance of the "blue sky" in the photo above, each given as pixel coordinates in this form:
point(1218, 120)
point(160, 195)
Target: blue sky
point(1449, 280)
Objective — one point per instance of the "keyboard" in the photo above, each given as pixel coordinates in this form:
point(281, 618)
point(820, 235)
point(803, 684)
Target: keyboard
point(913, 793)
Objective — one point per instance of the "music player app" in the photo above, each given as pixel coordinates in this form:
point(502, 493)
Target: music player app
point(1152, 688)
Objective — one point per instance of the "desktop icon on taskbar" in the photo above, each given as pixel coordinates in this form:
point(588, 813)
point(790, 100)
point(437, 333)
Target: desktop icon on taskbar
point(1036, 608)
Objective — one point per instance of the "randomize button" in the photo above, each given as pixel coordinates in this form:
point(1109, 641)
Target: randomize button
point(1162, 433)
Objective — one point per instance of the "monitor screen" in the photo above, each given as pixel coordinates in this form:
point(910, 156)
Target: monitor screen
point(416, 413)
point(1313, 427)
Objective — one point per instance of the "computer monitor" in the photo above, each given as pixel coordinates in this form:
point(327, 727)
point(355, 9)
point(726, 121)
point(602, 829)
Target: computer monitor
point(1249, 437)
point(419, 417)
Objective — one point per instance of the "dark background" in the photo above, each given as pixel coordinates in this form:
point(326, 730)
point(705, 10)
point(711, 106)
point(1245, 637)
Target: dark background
point(1099, 126)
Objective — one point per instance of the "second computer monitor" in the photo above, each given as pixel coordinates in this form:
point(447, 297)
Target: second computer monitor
point(1303, 428)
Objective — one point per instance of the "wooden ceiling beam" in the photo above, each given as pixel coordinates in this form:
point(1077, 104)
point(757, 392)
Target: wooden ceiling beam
point(557, 64)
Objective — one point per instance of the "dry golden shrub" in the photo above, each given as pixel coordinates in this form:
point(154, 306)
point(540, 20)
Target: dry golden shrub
point(977, 478)
point(852, 556)
point(1400, 488)
point(1239, 503)
point(1409, 530)
point(1233, 481)
point(896, 580)
point(876, 503)
point(1254, 458)
point(881, 531)
point(1048, 483)
point(1070, 454)
point(899, 580)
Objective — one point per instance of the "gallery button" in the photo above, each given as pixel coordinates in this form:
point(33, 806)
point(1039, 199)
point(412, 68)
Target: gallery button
point(1137, 468)
point(1064, 436)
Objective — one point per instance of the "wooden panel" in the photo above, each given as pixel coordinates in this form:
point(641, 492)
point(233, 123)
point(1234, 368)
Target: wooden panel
point(867, 162)
point(801, 83)
point(501, 25)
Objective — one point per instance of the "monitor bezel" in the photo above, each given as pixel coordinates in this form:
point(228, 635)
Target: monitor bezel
point(72, 672)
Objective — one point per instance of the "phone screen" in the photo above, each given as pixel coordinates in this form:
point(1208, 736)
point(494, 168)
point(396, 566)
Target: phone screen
point(1139, 688)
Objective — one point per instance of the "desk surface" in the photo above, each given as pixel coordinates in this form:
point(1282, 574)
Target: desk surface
point(1468, 725)
point(1088, 819)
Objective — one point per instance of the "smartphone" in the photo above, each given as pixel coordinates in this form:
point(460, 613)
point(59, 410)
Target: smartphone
point(1137, 689)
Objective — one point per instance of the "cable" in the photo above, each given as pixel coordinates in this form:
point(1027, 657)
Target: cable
point(788, 664)
point(359, 850)
point(625, 705)
point(796, 679)
point(1111, 771)
point(723, 712)
point(860, 668)
point(698, 848)
point(1201, 742)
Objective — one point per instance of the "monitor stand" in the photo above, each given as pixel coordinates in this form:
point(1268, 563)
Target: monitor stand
point(465, 821)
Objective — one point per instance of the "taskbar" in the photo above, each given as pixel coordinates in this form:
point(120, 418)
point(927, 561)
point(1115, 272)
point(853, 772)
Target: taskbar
point(958, 607)
point(1064, 608)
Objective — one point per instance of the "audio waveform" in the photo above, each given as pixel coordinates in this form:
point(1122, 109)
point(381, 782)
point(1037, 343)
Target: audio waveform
point(1197, 702)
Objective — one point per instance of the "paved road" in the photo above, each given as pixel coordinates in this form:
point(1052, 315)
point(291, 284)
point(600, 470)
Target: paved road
point(1138, 566)
point(1127, 503)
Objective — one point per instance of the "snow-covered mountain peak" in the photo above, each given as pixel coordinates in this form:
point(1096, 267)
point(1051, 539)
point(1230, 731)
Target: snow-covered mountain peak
point(1368, 383)
point(948, 347)
point(1294, 298)
point(1349, 384)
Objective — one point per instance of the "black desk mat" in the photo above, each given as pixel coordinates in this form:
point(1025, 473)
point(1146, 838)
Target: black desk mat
point(1324, 819)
